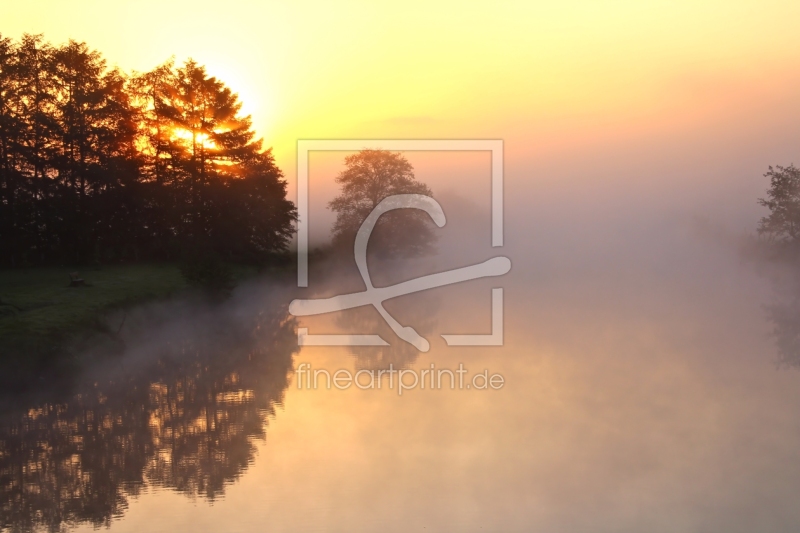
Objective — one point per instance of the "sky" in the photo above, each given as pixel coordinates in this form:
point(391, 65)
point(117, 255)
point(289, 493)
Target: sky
point(660, 93)
point(636, 135)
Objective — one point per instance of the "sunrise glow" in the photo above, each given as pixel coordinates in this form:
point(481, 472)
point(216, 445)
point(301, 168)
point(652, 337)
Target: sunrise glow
point(401, 266)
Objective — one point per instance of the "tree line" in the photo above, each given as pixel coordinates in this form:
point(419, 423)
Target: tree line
point(97, 165)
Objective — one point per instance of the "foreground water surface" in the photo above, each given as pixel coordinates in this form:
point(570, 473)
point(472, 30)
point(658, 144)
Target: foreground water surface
point(638, 395)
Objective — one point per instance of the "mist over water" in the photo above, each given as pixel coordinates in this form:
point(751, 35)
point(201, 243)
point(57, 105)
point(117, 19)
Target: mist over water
point(641, 387)
point(651, 343)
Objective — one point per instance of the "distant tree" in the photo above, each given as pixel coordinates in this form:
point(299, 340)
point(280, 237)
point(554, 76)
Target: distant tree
point(369, 177)
point(783, 201)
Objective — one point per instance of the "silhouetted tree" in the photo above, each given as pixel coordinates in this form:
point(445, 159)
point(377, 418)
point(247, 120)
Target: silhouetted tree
point(97, 161)
point(10, 137)
point(782, 228)
point(68, 153)
point(33, 106)
point(369, 177)
point(99, 166)
point(228, 196)
point(783, 201)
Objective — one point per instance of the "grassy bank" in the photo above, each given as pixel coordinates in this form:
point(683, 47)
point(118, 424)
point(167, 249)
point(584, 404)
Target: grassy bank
point(40, 304)
point(40, 314)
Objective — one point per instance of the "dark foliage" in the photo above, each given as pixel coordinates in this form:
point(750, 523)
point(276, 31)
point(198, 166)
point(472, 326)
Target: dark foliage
point(207, 272)
point(369, 177)
point(98, 166)
point(188, 422)
point(783, 200)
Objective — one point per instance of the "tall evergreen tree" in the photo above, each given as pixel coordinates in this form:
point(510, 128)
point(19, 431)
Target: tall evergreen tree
point(96, 160)
point(99, 166)
point(10, 131)
point(35, 106)
point(229, 197)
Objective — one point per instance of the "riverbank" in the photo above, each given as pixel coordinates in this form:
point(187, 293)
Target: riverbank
point(42, 317)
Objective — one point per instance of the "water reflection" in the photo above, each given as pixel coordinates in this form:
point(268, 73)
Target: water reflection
point(785, 319)
point(186, 420)
point(420, 313)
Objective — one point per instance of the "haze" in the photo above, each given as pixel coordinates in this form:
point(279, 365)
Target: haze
point(642, 391)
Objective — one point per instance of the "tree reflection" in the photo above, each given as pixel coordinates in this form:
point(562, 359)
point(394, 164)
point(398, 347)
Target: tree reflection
point(420, 313)
point(785, 318)
point(187, 423)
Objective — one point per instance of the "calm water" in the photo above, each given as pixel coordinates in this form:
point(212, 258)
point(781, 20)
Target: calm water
point(641, 394)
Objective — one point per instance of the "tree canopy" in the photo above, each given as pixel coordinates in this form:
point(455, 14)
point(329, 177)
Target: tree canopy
point(783, 201)
point(369, 177)
point(98, 165)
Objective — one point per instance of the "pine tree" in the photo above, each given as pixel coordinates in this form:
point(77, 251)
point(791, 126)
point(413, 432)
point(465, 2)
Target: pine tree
point(228, 197)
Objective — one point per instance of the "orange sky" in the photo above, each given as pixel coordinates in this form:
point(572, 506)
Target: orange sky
point(547, 77)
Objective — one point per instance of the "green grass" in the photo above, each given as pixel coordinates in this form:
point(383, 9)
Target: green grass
point(40, 314)
point(39, 302)
point(42, 317)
